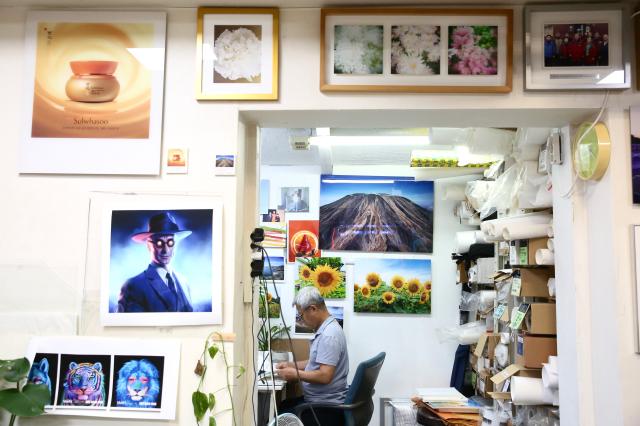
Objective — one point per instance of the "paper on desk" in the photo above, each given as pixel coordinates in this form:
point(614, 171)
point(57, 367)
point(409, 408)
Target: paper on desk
point(440, 394)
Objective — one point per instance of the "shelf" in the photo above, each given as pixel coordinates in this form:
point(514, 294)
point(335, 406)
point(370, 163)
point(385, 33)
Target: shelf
point(532, 266)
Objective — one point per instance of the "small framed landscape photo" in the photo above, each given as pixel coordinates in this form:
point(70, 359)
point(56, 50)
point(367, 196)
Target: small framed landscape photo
point(416, 50)
point(570, 47)
point(237, 56)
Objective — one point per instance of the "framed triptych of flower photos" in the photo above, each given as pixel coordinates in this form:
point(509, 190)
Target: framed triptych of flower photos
point(416, 50)
point(237, 56)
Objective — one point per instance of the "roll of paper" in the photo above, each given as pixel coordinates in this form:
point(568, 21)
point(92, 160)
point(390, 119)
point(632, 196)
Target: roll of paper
point(501, 353)
point(464, 240)
point(549, 377)
point(481, 238)
point(553, 363)
point(550, 244)
point(551, 283)
point(529, 391)
point(455, 193)
point(523, 230)
point(550, 231)
point(544, 257)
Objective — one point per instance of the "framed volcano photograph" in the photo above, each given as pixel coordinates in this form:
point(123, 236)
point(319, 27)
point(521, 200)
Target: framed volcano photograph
point(376, 214)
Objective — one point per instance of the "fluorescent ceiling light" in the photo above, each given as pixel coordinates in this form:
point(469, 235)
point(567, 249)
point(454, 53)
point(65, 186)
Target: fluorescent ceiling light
point(357, 181)
point(369, 140)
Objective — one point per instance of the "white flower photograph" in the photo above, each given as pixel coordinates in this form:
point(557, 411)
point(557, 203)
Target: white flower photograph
point(358, 49)
point(415, 49)
point(237, 53)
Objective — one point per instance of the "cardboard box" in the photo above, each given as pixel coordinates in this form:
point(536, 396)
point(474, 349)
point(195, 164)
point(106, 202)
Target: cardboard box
point(533, 246)
point(462, 274)
point(541, 319)
point(484, 385)
point(532, 351)
point(534, 282)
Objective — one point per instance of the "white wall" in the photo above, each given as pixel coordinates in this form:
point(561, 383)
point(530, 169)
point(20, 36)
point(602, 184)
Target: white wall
point(45, 214)
point(415, 358)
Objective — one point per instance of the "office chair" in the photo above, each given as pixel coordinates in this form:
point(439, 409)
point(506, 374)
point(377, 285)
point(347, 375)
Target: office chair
point(358, 405)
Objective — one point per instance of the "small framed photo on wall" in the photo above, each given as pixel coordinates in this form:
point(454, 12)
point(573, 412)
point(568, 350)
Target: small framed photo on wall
point(570, 47)
point(237, 56)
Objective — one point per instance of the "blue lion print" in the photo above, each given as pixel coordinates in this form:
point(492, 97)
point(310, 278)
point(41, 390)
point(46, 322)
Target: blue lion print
point(84, 385)
point(39, 373)
point(138, 385)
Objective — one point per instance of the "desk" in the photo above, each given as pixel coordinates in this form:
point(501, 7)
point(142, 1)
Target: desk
point(265, 386)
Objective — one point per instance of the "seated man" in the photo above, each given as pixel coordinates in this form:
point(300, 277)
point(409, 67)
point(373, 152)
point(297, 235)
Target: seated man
point(324, 374)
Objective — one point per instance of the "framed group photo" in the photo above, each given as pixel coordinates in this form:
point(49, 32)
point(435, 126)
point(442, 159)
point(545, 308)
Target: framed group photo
point(570, 47)
point(237, 53)
point(416, 50)
point(94, 92)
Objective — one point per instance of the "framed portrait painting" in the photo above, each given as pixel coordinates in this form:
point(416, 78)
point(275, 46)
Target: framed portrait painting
point(161, 260)
point(94, 92)
point(416, 50)
point(237, 54)
point(570, 47)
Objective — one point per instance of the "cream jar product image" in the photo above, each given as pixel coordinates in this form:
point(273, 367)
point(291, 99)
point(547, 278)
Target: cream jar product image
point(92, 81)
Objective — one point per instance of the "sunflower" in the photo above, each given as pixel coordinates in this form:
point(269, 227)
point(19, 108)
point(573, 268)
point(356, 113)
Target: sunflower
point(388, 297)
point(424, 296)
point(414, 286)
point(427, 285)
point(269, 297)
point(356, 287)
point(373, 279)
point(305, 273)
point(365, 291)
point(397, 283)
point(325, 279)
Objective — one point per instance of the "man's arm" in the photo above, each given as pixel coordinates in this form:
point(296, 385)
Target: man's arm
point(321, 376)
point(301, 364)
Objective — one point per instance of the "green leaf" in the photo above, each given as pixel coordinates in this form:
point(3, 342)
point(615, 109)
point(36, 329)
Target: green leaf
point(14, 370)
point(212, 401)
point(240, 372)
point(200, 404)
point(28, 403)
point(213, 350)
point(212, 421)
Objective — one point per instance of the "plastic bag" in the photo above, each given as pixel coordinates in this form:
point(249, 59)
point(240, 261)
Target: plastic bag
point(477, 192)
point(465, 334)
point(504, 193)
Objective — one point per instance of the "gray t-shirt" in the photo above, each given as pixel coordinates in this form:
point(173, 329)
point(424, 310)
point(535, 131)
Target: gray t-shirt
point(329, 347)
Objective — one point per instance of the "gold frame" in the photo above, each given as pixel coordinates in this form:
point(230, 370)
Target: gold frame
point(275, 12)
point(506, 88)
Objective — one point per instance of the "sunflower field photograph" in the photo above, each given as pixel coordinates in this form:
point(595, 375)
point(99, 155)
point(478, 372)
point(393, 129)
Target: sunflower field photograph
point(392, 286)
point(324, 273)
point(272, 303)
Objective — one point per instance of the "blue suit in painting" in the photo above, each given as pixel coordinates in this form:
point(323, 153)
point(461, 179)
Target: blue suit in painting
point(147, 292)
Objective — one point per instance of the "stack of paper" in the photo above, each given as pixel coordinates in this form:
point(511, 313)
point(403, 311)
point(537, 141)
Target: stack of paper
point(275, 234)
point(447, 400)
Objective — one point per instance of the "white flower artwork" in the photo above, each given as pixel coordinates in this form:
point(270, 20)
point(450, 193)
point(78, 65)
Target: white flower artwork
point(358, 49)
point(237, 53)
point(415, 49)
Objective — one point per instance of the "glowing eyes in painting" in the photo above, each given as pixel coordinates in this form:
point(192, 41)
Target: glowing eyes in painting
point(160, 243)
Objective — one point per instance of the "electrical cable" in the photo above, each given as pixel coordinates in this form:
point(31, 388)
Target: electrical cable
point(286, 329)
point(571, 190)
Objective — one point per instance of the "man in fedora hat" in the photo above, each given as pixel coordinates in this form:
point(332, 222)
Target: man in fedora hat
point(158, 288)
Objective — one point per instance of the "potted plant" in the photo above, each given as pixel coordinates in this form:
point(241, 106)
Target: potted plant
point(263, 344)
point(21, 399)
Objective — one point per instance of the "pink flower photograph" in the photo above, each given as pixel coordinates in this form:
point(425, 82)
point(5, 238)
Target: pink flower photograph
point(473, 50)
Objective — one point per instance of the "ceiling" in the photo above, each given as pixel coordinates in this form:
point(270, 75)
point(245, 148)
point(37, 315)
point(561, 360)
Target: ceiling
point(272, 3)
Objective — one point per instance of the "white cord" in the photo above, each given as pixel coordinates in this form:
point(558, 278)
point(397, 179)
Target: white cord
point(571, 190)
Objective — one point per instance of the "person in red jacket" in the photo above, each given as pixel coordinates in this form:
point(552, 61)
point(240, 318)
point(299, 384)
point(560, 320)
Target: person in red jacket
point(575, 51)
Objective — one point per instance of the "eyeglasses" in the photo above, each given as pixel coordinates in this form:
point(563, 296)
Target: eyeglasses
point(299, 314)
point(161, 243)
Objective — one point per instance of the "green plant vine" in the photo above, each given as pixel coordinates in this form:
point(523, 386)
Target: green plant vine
point(206, 402)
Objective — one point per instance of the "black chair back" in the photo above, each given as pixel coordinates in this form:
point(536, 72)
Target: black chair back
point(362, 390)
